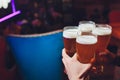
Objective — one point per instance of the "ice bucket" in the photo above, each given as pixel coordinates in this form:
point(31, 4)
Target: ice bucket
point(38, 56)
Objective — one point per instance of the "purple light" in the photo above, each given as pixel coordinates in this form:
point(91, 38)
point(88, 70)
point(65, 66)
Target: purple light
point(14, 12)
point(9, 16)
point(13, 5)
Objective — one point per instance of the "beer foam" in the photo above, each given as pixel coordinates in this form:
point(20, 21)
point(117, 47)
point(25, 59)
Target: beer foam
point(70, 33)
point(86, 39)
point(102, 31)
point(86, 27)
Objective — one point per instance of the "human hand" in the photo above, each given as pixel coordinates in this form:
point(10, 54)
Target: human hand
point(106, 57)
point(74, 69)
point(102, 58)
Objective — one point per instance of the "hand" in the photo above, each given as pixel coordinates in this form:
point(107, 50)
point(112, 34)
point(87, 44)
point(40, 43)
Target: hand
point(102, 59)
point(74, 69)
point(106, 57)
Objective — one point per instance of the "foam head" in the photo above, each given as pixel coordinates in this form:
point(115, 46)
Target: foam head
point(102, 31)
point(70, 33)
point(86, 27)
point(86, 39)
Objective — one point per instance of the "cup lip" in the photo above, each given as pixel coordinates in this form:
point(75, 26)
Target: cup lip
point(97, 25)
point(86, 22)
point(69, 27)
point(35, 35)
point(100, 26)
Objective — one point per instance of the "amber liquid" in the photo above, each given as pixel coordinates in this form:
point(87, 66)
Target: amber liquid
point(70, 46)
point(103, 41)
point(85, 52)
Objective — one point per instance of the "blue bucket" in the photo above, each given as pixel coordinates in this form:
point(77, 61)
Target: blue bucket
point(38, 56)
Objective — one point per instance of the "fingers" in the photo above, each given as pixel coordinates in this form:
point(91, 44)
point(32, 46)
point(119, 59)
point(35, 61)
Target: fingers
point(86, 70)
point(65, 64)
point(66, 60)
point(104, 53)
point(64, 54)
point(86, 77)
point(92, 61)
point(82, 79)
point(73, 66)
point(74, 57)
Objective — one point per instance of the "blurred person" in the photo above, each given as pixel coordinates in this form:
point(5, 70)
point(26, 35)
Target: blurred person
point(52, 17)
point(13, 28)
point(38, 26)
point(56, 15)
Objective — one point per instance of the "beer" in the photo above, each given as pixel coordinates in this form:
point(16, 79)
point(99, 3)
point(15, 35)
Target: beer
point(86, 26)
point(69, 37)
point(86, 46)
point(104, 33)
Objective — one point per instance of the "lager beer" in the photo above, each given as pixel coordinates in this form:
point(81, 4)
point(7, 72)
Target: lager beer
point(86, 27)
point(69, 37)
point(86, 46)
point(103, 32)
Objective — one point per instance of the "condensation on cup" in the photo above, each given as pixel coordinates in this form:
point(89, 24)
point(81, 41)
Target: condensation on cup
point(69, 37)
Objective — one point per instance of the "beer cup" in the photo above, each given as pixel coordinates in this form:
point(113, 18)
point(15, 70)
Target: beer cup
point(85, 47)
point(103, 31)
point(69, 38)
point(86, 26)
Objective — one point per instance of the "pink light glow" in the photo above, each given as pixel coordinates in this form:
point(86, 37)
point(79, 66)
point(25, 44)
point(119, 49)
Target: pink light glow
point(9, 16)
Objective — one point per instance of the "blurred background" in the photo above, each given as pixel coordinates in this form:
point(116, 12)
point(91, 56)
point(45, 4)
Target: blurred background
point(47, 15)
point(40, 16)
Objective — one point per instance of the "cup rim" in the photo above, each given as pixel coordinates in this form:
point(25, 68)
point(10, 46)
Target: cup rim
point(35, 35)
point(104, 25)
point(86, 22)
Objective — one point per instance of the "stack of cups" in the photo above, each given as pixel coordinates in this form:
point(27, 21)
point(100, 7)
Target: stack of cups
point(69, 37)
